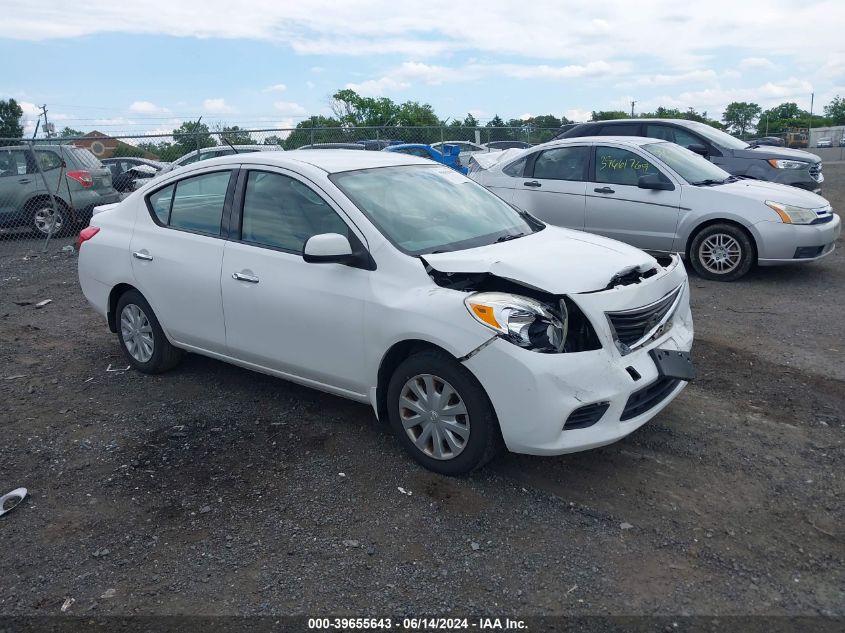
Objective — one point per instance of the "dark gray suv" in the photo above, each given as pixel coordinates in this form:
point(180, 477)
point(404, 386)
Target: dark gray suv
point(776, 164)
point(77, 180)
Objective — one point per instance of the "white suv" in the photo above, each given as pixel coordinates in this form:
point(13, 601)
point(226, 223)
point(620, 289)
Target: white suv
point(394, 281)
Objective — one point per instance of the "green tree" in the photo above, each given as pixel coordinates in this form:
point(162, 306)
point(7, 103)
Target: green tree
point(165, 150)
point(317, 129)
point(351, 108)
point(470, 121)
point(835, 110)
point(10, 119)
point(739, 116)
point(608, 115)
point(416, 114)
point(125, 150)
point(191, 136)
point(274, 140)
point(69, 132)
point(235, 135)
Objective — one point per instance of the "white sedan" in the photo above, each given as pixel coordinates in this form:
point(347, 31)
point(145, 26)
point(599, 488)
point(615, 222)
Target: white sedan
point(397, 282)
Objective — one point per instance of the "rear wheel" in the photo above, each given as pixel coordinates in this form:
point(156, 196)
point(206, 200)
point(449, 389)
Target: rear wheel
point(722, 252)
point(141, 338)
point(441, 414)
point(46, 220)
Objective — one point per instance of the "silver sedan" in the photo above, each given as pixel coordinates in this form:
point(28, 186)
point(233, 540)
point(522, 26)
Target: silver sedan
point(661, 197)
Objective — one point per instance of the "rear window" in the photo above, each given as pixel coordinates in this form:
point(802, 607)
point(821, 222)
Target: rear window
point(85, 157)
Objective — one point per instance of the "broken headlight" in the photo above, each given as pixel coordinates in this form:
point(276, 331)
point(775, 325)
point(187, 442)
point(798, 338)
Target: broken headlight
point(525, 322)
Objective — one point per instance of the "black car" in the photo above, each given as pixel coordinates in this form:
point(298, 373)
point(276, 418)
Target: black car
point(775, 164)
point(774, 141)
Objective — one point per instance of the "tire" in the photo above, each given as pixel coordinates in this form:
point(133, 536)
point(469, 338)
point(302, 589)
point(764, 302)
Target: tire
point(141, 338)
point(41, 218)
point(722, 252)
point(479, 438)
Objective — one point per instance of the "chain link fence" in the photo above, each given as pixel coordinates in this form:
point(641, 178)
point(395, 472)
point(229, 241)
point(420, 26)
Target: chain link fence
point(49, 187)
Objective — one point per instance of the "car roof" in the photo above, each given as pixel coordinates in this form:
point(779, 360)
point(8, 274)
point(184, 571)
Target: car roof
point(624, 140)
point(330, 161)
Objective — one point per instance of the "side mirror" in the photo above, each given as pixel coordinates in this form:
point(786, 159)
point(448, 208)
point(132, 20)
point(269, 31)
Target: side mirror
point(653, 181)
point(328, 248)
point(698, 149)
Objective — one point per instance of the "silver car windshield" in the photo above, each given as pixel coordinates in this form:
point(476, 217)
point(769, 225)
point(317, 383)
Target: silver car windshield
point(426, 209)
point(688, 165)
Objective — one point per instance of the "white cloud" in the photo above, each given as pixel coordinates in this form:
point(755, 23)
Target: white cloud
point(310, 85)
point(525, 116)
point(378, 87)
point(276, 88)
point(289, 108)
point(146, 107)
point(579, 116)
point(217, 106)
point(756, 62)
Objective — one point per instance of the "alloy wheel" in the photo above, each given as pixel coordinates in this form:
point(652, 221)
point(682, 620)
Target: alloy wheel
point(47, 221)
point(720, 253)
point(136, 333)
point(434, 416)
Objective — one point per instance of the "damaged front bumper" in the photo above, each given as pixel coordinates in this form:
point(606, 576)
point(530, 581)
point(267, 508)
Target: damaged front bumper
point(538, 396)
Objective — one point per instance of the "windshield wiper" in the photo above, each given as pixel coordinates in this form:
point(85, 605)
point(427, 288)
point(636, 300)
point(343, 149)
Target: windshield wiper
point(509, 236)
point(709, 182)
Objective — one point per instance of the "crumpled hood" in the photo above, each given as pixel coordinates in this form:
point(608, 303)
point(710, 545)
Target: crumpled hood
point(762, 190)
point(557, 260)
point(767, 151)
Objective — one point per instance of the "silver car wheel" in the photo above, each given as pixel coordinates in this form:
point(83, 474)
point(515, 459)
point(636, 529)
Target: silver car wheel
point(720, 253)
point(434, 416)
point(136, 333)
point(47, 221)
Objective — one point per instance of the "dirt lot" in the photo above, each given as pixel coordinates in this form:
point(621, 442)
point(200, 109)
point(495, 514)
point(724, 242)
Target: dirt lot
point(213, 490)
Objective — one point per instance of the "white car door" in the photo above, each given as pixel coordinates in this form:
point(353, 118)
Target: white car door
point(618, 208)
point(304, 320)
point(554, 185)
point(177, 251)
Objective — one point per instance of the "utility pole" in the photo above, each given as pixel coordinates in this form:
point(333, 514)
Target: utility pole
point(46, 124)
point(633, 103)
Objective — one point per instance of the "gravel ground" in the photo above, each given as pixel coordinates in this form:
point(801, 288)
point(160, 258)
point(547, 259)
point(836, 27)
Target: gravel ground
point(213, 490)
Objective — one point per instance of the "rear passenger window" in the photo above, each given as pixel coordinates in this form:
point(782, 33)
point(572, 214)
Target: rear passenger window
point(160, 203)
point(672, 134)
point(516, 169)
point(562, 163)
point(622, 129)
point(48, 160)
point(198, 203)
point(282, 213)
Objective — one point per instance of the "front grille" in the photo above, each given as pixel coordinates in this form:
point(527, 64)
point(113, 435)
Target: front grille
point(648, 397)
point(585, 416)
point(632, 328)
point(815, 170)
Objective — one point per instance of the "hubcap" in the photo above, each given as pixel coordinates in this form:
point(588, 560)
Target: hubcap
point(137, 333)
point(434, 416)
point(720, 253)
point(47, 221)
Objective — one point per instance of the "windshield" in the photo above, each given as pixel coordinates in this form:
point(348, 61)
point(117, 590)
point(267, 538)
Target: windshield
point(687, 164)
point(717, 137)
point(426, 209)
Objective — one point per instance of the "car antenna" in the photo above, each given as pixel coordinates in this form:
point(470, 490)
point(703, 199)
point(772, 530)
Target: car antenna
point(230, 144)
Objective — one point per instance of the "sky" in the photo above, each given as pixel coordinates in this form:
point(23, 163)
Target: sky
point(144, 67)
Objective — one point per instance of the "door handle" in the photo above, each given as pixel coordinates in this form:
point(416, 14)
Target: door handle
point(532, 183)
point(244, 277)
point(604, 190)
point(142, 256)
point(25, 181)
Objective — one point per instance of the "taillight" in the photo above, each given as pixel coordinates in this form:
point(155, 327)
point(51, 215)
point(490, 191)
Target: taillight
point(82, 176)
point(86, 234)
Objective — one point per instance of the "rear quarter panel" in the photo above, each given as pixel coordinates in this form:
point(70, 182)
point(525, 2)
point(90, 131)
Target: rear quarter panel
point(104, 260)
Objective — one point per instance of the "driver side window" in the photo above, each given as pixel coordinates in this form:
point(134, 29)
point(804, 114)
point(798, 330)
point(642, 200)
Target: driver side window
point(280, 212)
point(619, 166)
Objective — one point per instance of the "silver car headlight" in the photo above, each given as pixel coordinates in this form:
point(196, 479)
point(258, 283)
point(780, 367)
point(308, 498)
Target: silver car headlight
point(523, 321)
point(778, 163)
point(790, 214)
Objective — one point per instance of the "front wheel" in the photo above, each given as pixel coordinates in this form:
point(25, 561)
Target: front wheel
point(722, 252)
point(141, 338)
point(45, 220)
point(441, 414)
